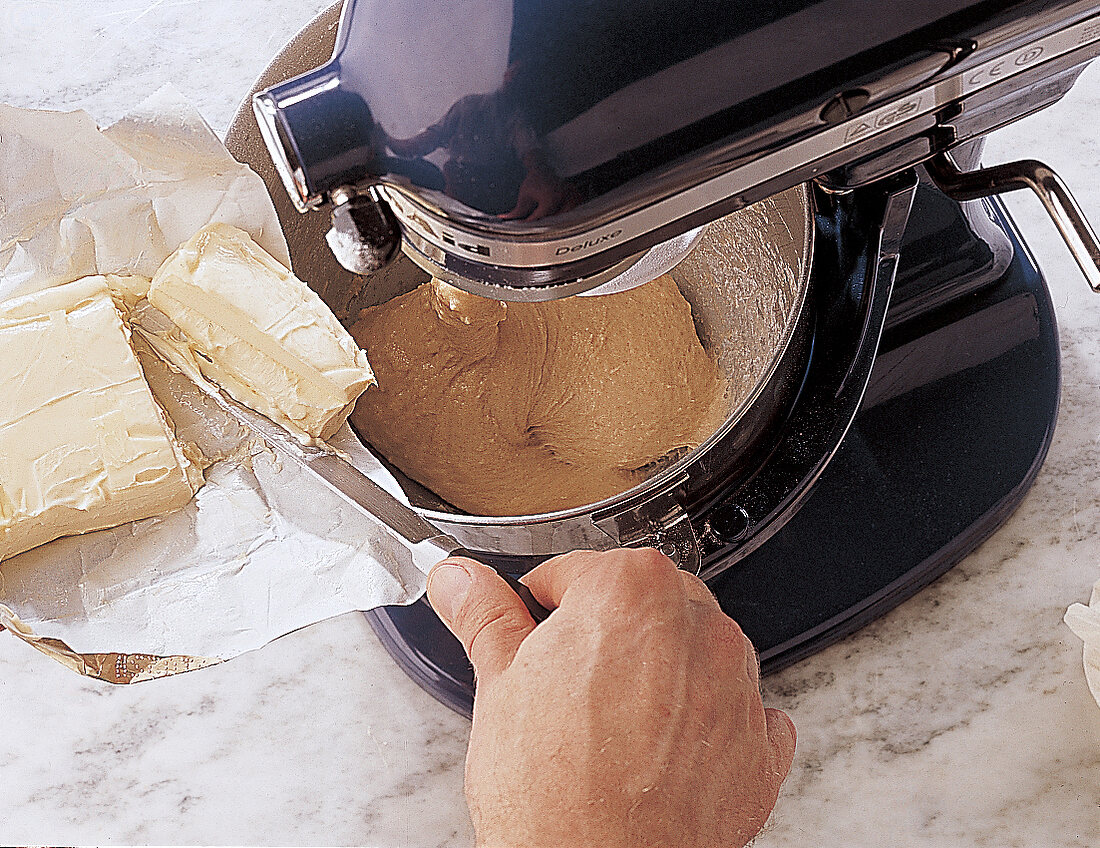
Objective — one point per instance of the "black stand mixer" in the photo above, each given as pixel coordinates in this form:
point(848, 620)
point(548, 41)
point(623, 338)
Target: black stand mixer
point(540, 150)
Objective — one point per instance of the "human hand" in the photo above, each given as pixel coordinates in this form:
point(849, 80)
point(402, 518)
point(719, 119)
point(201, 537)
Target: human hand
point(541, 194)
point(630, 717)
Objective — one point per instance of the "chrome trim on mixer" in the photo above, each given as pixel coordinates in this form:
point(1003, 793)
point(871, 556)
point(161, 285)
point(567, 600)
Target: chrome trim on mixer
point(657, 521)
point(294, 180)
point(1047, 185)
point(431, 259)
point(462, 235)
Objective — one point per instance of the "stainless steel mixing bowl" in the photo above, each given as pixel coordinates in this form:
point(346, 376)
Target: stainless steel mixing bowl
point(747, 283)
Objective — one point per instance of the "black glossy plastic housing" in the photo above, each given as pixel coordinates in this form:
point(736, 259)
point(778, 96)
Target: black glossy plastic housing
point(956, 424)
point(427, 94)
point(795, 434)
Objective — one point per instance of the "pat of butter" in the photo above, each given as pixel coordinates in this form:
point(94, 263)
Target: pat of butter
point(83, 444)
point(259, 332)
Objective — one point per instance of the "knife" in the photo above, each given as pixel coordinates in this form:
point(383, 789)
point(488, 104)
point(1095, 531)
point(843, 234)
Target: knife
point(333, 471)
point(355, 487)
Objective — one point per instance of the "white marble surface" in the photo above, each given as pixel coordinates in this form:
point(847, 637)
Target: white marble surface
point(960, 719)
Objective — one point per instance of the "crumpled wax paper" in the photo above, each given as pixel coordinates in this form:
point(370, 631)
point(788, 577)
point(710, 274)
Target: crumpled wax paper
point(1085, 622)
point(262, 549)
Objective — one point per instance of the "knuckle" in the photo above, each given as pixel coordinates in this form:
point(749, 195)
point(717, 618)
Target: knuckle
point(643, 580)
point(645, 569)
point(577, 557)
point(622, 575)
point(728, 636)
point(697, 590)
point(731, 629)
point(483, 620)
point(650, 560)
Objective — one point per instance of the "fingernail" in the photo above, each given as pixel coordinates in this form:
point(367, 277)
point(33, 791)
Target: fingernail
point(449, 585)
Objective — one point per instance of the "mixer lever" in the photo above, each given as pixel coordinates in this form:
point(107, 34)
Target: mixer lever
point(1027, 173)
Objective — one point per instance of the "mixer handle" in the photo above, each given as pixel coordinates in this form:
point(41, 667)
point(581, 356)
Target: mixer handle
point(1027, 173)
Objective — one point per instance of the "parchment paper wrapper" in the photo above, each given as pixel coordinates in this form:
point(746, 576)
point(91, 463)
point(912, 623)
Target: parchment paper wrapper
point(1085, 622)
point(262, 549)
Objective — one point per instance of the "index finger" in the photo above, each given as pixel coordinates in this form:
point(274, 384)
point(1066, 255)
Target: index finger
point(549, 579)
point(622, 572)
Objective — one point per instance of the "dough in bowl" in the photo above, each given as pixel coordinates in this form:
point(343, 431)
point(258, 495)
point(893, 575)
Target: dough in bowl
point(522, 408)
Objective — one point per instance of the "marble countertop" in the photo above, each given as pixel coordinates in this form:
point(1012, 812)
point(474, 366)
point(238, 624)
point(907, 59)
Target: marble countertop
point(962, 718)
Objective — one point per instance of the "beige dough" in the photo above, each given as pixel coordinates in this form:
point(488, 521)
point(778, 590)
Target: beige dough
point(521, 408)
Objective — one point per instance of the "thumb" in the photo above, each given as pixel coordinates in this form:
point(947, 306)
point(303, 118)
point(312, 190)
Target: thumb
point(481, 610)
point(781, 736)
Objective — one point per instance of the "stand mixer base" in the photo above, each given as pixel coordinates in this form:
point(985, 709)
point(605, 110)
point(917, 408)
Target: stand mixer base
point(928, 471)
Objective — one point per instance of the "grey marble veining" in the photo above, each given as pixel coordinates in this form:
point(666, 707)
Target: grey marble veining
point(960, 719)
point(316, 739)
point(963, 717)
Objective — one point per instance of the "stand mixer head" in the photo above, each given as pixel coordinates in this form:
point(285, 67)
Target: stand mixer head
point(527, 151)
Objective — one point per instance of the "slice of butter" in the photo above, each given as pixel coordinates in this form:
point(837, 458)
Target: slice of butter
point(259, 332)
point(83, 444)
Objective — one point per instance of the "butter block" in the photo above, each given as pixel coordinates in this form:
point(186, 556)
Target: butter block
point(83, 444)
point(260, 333)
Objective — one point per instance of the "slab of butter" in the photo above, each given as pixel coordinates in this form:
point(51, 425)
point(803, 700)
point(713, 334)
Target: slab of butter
point(259, 332)
point(83, 444)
